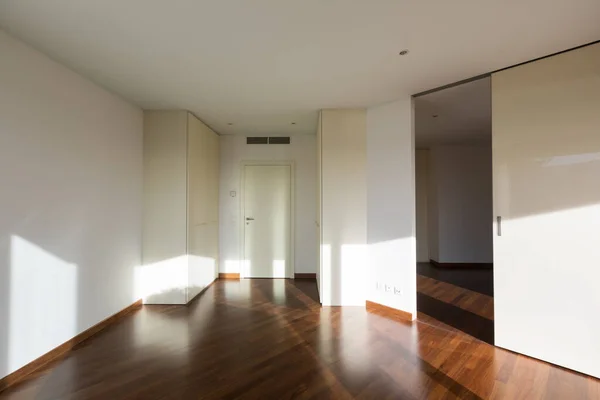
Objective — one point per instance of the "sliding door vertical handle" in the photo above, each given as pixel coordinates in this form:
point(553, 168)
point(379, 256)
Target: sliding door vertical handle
point(499, 225)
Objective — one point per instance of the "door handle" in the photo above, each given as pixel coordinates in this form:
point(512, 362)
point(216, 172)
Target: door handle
point(499, 225)
point(249, 219)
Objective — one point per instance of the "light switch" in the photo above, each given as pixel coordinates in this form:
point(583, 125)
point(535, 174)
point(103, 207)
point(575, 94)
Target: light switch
point(232, 193)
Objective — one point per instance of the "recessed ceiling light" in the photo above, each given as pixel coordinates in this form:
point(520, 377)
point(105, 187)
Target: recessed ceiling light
point(403, 52)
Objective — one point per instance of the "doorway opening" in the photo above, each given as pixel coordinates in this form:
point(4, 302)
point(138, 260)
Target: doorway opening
point(267, 220)
point(454, 206)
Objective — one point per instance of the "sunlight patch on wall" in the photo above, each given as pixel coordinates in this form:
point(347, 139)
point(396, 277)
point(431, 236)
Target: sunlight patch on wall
point(570, 159)
point(202, 271)
point(353, 275)
point(279, 269)
point(246, 268)
point(231, 266)
point(236, 266)
point(43, 302)
point(326, 274)
point(163, 282)
point(343, 275)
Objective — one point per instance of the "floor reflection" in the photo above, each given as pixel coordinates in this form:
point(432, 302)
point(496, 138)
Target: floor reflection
point(270, 339)
point(461, 298)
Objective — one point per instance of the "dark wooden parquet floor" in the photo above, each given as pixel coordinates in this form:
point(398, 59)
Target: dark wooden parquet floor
point(461, 298)
point(270, 339)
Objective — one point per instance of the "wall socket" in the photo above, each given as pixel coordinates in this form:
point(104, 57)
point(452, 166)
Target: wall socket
point(389, 288)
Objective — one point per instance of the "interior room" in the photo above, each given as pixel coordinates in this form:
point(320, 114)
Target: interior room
point(266, 199)
point(454, 207)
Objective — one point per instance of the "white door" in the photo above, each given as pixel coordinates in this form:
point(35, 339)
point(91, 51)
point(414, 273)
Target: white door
point(546, 150)
point(267, 221)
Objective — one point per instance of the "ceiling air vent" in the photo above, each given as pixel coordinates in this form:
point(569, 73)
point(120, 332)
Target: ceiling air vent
point(257, 140)
point(268, 140)
point(279, 140)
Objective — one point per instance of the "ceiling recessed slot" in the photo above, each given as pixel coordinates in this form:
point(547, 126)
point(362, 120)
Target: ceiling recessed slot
point(257, 140)
point(279, 140)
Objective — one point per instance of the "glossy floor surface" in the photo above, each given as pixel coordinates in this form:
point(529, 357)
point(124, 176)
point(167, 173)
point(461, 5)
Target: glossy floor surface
point(479, 280)
point(461, 298)
point(270, 339)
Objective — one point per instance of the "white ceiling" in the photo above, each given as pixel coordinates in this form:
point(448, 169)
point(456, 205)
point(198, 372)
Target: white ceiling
point(262, 64)
point(458, 115)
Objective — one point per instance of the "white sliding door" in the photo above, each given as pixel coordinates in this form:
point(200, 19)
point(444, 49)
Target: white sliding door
point(546, 150)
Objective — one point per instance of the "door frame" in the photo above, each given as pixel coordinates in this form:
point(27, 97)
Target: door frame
point(291, 268)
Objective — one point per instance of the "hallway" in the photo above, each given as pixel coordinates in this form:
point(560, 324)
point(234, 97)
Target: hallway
point(270, 339)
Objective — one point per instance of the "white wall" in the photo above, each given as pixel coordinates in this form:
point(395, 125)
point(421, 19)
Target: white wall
point(165, 173)
point(344, 206)
point(302, 151)
point(432, 209)
point(71, 203)
point(462, 181)
point(163, 278)
point(421, 188)
point(546, 141)
point(319, 203)
point(391, 206)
